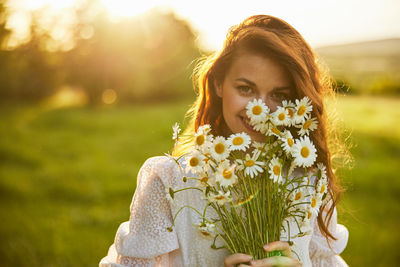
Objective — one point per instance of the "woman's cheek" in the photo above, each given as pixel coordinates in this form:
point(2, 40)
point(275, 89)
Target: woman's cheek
point(232, 101)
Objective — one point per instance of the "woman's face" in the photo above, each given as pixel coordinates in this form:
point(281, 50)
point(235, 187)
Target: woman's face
point(252, 76)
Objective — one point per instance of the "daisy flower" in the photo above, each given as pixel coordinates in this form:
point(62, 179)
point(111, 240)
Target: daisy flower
point(321, 186)
point(203, 181)
point(307, 126)
point(275, 170)
point(220, 197)
point(263, 127)
point(209, 164)
point(250, 165)
point(274, 131)
point(176, 130)
point(225, 174)
point(219, 148)
point(202, 139)
point(256, 111)
point(206, 229)
point(261, 147)
point(298, 195)
point(316, 201)
point(206, 129)
point(307, 217)
point(195, 162)
point(303, 108)
point(287, 104)
point(287, 142)
point(240, 141)
point(321, 170)
point(304, 152)
point(281, 117)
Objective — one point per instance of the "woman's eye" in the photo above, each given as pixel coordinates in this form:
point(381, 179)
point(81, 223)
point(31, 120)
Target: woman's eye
point(245, 90)
point(280, 96)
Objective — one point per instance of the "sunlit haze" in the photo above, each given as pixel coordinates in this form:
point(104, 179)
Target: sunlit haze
point(123, 8)
point(320, 22)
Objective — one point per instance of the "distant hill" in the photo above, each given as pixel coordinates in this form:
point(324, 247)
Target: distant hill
point(368, 67)
point(386, 47)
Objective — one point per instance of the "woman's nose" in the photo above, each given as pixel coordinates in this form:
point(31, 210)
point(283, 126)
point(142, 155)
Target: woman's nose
point(269, 102)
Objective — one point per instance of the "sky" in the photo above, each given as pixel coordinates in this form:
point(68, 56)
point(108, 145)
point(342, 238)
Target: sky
point(321, 22)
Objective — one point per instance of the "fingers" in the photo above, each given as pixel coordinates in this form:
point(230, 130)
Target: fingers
point(237, 258)
point(276, 261)
point(281, 246)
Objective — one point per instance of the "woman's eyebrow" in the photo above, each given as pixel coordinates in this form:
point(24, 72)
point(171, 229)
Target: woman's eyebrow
point(246, 81)
point(278, 88)
point(282, 88)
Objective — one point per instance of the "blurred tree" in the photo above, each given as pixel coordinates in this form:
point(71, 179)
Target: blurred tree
point(141, 58)
point(4, 32)
point(146, 57)
point(28, 72)
point(4, 55)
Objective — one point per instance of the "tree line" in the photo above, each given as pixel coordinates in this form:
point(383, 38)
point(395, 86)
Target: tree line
point(148, 57)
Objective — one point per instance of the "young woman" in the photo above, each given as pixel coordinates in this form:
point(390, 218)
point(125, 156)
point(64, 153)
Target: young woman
point(263, 57)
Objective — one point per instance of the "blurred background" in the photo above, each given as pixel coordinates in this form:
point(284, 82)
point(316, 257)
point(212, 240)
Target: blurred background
point(91, 88)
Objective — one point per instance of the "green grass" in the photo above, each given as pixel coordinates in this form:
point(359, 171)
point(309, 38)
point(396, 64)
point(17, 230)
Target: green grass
point(67, 178)
point(371, 205)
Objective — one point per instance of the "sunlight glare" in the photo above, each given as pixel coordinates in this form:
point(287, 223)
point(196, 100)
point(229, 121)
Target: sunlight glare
point(123, 8)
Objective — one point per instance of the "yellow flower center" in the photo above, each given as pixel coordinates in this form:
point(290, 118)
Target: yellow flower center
point(275, 131)
point(219, 148)
point(281, 116)
point(290, 142)
point(277, 170)
point(237, 141)
point(200, 140)
point(290, 111)
point(301, 110)
point(309, 215)
point(306, 125)
point(205, 233)
point(227, 174)
point(313, 202)
point(305, 152)
point(249, 163)
point(220, 197)
point(194, 162)
point(204, 179)
point(322, 189)
point(257, 110)
point(297, 196)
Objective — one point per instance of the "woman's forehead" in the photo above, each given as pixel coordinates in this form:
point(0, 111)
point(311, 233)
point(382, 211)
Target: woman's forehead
point(258, 69)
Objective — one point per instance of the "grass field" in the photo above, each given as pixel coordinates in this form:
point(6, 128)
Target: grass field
point(67, 177)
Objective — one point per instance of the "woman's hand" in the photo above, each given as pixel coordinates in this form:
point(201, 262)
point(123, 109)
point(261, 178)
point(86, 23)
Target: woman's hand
point(237, 258)
point(285, 260)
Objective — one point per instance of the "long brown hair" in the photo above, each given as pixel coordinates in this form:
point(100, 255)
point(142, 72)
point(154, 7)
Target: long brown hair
point(275, 39)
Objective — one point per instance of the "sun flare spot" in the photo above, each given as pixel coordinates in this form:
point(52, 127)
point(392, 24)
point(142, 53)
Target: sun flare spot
point(122, 8)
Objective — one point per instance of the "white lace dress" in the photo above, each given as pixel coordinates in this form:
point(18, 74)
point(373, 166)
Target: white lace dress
point(145, 241)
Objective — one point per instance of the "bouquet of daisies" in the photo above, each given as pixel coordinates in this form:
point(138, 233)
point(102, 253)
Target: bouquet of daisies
point(257, 189)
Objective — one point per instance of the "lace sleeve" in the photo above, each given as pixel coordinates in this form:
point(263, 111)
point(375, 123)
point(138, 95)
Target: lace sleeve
point(321, 253)
point(144, 240)
point(162, 260)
